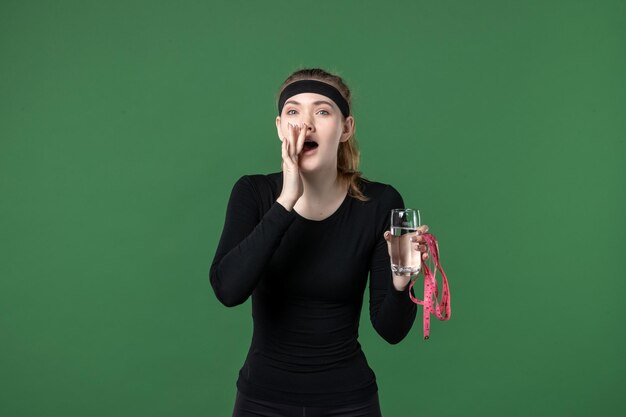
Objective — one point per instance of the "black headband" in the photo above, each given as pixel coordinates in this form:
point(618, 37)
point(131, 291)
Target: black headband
point(314, 86)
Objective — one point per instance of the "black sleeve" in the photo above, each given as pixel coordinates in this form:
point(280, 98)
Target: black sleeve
point(391, 311)
point(246, 245)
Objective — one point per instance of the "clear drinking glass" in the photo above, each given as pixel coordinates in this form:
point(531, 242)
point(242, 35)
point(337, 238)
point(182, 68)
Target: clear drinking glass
point(405, 260)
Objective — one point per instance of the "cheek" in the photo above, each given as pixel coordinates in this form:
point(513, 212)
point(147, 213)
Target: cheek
point(329, 129)
point(283, 129)
point(284, 124)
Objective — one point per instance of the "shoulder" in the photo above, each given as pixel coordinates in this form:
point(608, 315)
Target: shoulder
point(382, 199)
point(262, 186)
point(380, 193)
point(261, 180)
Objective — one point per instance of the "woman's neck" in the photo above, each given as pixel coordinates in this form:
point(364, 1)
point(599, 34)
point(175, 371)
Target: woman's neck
point(323, 194)
point(322, 186)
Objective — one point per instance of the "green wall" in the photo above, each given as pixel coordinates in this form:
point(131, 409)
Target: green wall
point(124, 124)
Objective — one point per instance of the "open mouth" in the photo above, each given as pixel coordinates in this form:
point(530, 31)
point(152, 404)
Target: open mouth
point(309, 144)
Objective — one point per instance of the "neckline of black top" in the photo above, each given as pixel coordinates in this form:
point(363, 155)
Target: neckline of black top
point(332, 216)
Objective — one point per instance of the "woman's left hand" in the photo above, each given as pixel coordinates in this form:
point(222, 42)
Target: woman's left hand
point(400, 282)
point(419, 244)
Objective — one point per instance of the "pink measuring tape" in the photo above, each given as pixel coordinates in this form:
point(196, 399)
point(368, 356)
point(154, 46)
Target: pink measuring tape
point(441, 310)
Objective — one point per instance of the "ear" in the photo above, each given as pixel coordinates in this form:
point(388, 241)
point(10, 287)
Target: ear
point(280, 136)
point(348, 129)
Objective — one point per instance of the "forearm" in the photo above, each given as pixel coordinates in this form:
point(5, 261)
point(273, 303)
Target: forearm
point(236, 272)
point(395, 315)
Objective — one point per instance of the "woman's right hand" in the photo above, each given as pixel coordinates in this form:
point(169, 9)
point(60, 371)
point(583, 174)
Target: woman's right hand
point(292, 182)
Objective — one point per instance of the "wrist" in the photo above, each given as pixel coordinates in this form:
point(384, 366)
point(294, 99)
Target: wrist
point(285, 202)
point(401, 283)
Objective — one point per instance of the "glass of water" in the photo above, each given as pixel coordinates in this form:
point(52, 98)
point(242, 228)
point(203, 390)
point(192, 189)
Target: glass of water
point(405, 261)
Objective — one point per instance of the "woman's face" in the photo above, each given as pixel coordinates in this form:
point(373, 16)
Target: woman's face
point(326, 127)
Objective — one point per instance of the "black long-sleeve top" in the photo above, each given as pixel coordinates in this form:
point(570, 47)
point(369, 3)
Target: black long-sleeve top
point(307, 280)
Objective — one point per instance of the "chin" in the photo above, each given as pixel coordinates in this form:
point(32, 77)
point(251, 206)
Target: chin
point(311, 166)
point(308, 168)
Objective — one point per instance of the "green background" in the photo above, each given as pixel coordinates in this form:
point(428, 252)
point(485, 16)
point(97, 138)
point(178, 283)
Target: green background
point(124, 125)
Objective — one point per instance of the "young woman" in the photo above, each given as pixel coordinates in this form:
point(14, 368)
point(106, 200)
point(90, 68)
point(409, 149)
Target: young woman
point(302, 242)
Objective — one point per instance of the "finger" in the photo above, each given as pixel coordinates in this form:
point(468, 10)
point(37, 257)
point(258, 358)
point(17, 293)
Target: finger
point(422, 229)
point(301, 136)
point(425, 256)
point(289, 135)
point(418, 238)
point(285, 154)
point(420, 248)
point(293, 141)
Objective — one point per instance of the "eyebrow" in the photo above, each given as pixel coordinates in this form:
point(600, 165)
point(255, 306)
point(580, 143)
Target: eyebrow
point(315, 102)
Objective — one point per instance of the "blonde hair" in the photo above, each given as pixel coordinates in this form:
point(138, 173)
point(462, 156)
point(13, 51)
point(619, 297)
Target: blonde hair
point(348, 151)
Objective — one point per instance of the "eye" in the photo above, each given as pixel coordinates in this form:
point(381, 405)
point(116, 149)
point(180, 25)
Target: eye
point(324, 112)
point(289, 112)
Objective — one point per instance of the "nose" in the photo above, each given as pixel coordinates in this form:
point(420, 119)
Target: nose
point(310, 127)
